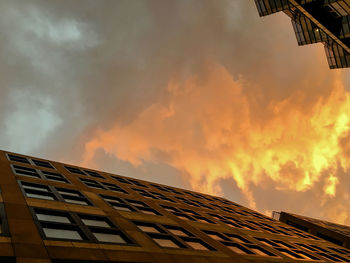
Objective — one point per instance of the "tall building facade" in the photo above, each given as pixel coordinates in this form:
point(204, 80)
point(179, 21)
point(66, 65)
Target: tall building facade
point(335, 233)
point(55, 212)
point(314, 21)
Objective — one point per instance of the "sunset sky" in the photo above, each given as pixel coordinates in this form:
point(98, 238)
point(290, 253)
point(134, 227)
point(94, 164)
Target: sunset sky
point(197, 94)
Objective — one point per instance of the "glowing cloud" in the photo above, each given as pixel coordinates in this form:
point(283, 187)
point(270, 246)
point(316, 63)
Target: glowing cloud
point(207, 129)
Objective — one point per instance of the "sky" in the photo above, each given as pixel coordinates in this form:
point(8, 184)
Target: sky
point(198, 94)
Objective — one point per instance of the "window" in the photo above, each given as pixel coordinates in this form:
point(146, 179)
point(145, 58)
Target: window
point(73, 196)
point(178, 231)
point(196, 244)
point(108, 236)
point(162, 197)
point(91, 183)
point(287, 249)
point(30, 172)
point(129, 205)
point(25, 171)
point(218, 217)
point(237, 248)
point(135, 182)
point(114, 188)
point(47, 192)
point(149, 229)
point(120, 179)
point(170, 209)
point(168, 236)
point(43, 164)
point(173, 190)
point(203, 219)
point(16, 158)
point(55, 177)
point(216, 235)
point(74, 170)
point(94, 174)
point(61, 232)
point(241, 245)
point(166, 242)
point(160, 188)
point(37, 191)
point(62, 225)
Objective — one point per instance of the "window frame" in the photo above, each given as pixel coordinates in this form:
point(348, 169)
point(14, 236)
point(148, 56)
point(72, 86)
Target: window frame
point(85, 231)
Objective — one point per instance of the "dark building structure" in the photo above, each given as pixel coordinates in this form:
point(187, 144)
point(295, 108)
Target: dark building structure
point(325, 21)
point(55, 212)
point(335, 233)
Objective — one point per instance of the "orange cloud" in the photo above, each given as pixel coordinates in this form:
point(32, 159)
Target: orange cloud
point(209, 129)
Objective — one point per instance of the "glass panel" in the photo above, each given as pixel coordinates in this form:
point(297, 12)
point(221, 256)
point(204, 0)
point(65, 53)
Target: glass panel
point(73, 201)
point(112, 238)
point(149, 212)
point(53, 218)
point(165, 242)
point(68, 193)
point(149, 229)
point(258, 251)
point(46, 197)
point(178, 232)
point(196, 245)
point(214, 236)
point(237, 250)
point(62, 233)
point(32, 187)
point(122, 208)
point(92, 222)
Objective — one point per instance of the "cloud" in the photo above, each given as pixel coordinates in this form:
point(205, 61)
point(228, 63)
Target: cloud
point(191, 92)
point(208, 130)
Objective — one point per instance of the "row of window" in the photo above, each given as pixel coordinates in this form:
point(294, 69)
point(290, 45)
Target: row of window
point(187, 214)
point(75, 170)
point(41, 174)
point(275, 228)
point(168, 236)
point(25, 171)
point(48, 192)
point(36, 173)
point(16, 158)
point(63, 225)
point(302, 251)
point(78, 227)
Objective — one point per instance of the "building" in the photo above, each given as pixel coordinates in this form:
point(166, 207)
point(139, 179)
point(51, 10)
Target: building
point(335, 233)
point(55, 212)
point(314, 21)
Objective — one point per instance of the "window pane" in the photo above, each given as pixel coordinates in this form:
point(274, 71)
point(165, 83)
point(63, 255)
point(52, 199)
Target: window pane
point(214, 236)
point(69, 193)
point(74, 201)
point(62, 233)
point(46, 197)
point(237, 250)
point(53, 218)
point(177, 232)
point(259, 251)
point(32, 187)
point(196, 245)
point(112, 238)
point(165, 242)
point(149, 229)
point(92, 222)
point(148, 212)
